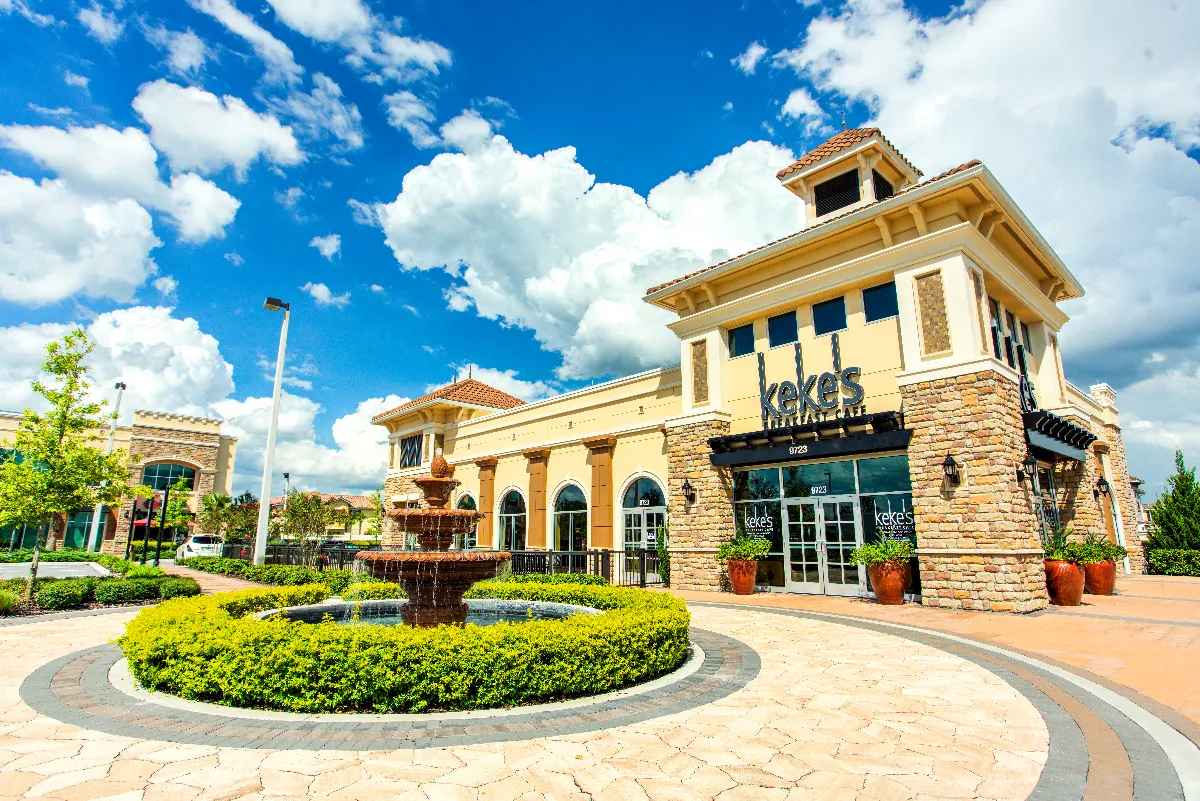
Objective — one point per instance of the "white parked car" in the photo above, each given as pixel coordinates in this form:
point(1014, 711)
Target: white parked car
point(199, 545)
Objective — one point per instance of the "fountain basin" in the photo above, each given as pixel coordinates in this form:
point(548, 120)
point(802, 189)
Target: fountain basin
point(480, 612)
point(434, 581)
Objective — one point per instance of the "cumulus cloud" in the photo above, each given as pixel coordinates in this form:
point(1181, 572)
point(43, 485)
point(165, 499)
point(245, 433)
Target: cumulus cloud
point(322, 112)
point(21, 8)
point(166, 284)
point(1092, 129)
point(71, 79)
point(536, 242)
point(186, 52)
point(328, 246)
point(101, 24)
point(281, 64)
point(324, 296)
point(747, 62)
point(198, 130)
point(413, 115)
point(800, 103)
point(503, 380)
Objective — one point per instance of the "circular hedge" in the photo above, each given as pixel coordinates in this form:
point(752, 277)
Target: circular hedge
point(208, 649)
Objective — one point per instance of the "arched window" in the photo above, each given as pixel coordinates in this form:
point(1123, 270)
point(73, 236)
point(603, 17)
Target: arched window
point(471, 538)
point(512, 522)
point(160, 476)
point(644, 512)
point(570, 520)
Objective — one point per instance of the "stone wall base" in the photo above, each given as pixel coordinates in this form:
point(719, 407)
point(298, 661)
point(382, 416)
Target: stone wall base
point(691, 570)
point(985, 582)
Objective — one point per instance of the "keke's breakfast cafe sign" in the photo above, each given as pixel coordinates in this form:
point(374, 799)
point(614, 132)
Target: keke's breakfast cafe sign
point(812, 398)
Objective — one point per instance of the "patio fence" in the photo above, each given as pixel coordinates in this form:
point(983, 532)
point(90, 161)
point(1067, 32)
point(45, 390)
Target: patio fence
point(339, 558)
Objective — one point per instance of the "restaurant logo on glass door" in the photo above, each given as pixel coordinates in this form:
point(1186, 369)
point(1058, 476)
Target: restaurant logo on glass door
point(811, 398)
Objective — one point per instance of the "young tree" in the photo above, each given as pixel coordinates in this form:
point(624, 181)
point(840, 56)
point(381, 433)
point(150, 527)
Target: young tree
point(307, 518)
point(61, 468)
point(374, 527)
point(1176, 514)
point(214, 514)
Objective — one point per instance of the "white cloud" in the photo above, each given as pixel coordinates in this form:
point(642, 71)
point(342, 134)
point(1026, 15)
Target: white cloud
point(356, 463)
point(61, 111)
point(503, 380)
point(328, 246)
point(101, 25)
point(534, 241)
point(800, 104)
point(747, 62)
point(324, 20)
point(467, 132)
point(71, 79)
point(55, 242)
point(198, 130)
point(186, 52)
point(234, 258)
point(168, 364)
point(323, 111)
point(294, 375)
point(108, 164)
point(22, 8)
point(324, 296)
point(290, 199)
point(166, 284)
point(728, 106)
point(409, 113)
point(281, 64)
point(1092, 128)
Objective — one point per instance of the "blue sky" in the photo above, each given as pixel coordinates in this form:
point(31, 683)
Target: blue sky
point(428, 134)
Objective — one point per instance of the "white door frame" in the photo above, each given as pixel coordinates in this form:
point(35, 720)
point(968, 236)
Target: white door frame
point(823, 586)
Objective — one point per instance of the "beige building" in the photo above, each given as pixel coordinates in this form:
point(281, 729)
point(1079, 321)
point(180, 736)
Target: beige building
point(891, 370)
point(358, 513)
point(164, 449)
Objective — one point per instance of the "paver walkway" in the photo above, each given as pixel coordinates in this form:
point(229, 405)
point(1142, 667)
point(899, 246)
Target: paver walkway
point(1147, 637)
point(211, 582)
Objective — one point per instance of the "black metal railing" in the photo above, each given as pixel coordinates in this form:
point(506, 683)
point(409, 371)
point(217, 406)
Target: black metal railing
point(340, 558)
point(634, 567)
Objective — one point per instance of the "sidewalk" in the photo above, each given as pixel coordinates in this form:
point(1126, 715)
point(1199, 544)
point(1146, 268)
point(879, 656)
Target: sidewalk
point(1147, 637)
point(210, 583)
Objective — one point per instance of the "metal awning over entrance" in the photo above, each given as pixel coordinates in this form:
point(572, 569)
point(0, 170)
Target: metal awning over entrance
point(844, 436)
point(1053, 438)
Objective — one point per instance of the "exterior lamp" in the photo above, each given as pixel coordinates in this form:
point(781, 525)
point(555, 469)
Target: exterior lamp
point(950, 468)
point(1102, 488)
point(689, 492)
point(264, 504)
point(1028, 468)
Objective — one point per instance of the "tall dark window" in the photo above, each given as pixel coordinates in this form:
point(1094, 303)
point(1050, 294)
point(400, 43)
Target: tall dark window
point(512, 522)
point(160, 476)
point(837, 193)
point(741, 340)
point(471, 538)
point(410, 451)
point(570, 520)
point(879, 302)
point(829, 316)
point(782, 330)
point(883, 187)
point(994, 314)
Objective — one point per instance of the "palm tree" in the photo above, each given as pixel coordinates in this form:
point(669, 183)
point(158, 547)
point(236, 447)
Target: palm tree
point(214, 513)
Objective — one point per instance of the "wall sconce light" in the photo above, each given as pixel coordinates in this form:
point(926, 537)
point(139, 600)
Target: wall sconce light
point(689, 492)
point(1102, 488)
point(1028, 469)
point(950, 468)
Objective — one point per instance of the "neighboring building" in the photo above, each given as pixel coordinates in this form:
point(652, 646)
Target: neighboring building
point(165, 447)
point(892, 370)
point(359, 511)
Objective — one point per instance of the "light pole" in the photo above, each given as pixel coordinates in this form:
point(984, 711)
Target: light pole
point(264, 504)
point(287, 488)
point(98, 510)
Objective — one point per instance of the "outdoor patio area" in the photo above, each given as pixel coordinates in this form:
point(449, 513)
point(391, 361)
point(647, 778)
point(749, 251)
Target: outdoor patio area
point(794, 697)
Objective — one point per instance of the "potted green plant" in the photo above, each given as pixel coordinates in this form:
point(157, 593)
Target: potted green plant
point(741, 556)
point(887, 565)
point(1064, 576)
point(1099, 556)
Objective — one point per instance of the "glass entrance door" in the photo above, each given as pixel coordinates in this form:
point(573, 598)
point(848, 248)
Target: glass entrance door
point(821, 534)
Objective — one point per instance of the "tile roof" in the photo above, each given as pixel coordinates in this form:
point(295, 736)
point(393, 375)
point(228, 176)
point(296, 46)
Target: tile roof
point(952, 171)
point(469, 391)
point(836, 144)
point(355, 501)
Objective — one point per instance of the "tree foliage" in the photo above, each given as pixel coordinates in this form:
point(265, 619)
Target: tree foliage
point(214, 514)
point(1176, 514)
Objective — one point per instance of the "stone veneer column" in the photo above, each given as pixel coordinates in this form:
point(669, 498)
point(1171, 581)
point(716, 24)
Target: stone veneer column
point(538, 457)
point(601, 452)
point(487, 501)
point(389, 535)
point(695, 530)
point(1123, 493)
point(977, 543)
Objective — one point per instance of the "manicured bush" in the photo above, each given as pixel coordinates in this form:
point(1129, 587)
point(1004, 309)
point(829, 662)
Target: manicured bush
point(123, 591)
point(288, 575)
point(1174, 562)
point(9, 601)
point(143, 572)
point(177, 588)
point(206, 649)
point(64, 555)
point(559, 578)
point(371, 591)
point(71, 593)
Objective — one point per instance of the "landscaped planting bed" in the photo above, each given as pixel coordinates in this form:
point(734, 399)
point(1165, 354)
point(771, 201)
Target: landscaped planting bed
point(288, 575)
point(208, 649)
point(132, 584)
point(1174, 562)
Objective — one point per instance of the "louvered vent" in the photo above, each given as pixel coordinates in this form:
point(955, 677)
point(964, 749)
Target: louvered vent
point(883, 189)
point(837, 193)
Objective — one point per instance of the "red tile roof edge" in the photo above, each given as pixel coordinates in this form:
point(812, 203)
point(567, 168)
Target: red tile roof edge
point(952, 171)
point(470, 391)
point(836, 144)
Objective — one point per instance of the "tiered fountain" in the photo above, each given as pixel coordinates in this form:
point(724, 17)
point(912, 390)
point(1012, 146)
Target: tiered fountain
point(434, 578)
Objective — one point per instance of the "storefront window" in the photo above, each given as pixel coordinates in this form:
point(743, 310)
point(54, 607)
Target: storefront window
point(570, 520)
point(471, 538)
point(885, 474)
point(160, 476)
point(79, 527)
point(764, 519)
point(512, 522)
point(752, 485)
point(822, 478)
point(644, 510)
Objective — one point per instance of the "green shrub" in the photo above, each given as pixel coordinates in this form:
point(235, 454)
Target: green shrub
point(206, 649)
point(886, 550)
point(1176, 513)
point(559, 578)
point(64, 555)
point(747, 549)
point(1174, 562)
point(177, 588)
point(123, 591)
point(1097, 549)
point(371, 591)
point(144, 572)
point(71, 593)
point(9, 601)
point(287, 575)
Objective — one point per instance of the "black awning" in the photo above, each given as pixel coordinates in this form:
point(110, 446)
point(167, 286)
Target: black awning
point(1051, 436)
point(842, 436)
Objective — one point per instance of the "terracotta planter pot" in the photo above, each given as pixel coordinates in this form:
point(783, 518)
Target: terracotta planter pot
point(888, 579)
point(741, 575)
point(1064, 582)
point(1100, 578)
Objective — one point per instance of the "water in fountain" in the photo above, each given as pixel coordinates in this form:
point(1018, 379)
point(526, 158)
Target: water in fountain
point(434, 578)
